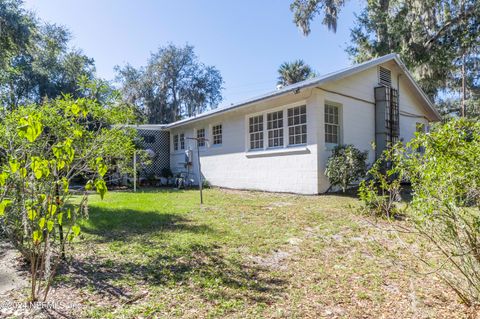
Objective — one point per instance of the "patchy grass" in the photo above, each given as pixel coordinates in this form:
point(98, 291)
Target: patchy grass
point(157, 254)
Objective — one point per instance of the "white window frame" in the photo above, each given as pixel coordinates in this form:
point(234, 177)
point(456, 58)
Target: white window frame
point(286, 146)
point(212, 130)
point(175, 142)
point(279, 129)
point(182, 141)
point(201, 144)
point(259, 133)
point(297, 125)
point(338, 125)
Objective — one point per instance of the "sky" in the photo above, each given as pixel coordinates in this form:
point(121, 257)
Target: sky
point(245, 40)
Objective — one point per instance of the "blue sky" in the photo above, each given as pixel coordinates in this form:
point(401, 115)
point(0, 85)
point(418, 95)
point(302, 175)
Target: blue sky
point(246, 40)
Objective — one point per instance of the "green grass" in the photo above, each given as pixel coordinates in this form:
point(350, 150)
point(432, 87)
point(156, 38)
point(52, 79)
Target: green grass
point(158, 253)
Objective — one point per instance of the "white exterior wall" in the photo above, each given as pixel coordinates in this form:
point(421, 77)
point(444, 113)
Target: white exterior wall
point(232, 165)
point(358, 115)
point(298, 169)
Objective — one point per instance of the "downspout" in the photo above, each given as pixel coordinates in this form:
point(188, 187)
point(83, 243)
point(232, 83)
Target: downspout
point(398, 89)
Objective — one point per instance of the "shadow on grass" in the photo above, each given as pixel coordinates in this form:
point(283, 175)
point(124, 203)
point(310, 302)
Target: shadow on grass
point(110, 224)
point(352, 192)
point(198, 266)
point(202, 269)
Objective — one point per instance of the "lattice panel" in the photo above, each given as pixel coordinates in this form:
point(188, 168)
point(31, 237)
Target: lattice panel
point(159, 142)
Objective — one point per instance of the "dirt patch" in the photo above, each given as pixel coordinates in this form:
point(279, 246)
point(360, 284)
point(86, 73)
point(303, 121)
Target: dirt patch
point(11, 276)
point(274, 260)
point(276, 205)
point(278, 260)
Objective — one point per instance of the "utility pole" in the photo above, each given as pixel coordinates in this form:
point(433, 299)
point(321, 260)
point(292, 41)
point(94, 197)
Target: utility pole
point(200, 182)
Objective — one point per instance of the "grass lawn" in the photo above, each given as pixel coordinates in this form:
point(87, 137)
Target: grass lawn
point(158, 254)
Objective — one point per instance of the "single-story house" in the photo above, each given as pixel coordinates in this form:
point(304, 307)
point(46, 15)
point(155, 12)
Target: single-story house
point(281, 141)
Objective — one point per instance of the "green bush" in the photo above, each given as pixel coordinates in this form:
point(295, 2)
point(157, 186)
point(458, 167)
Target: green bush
point(43, 148)
point(445, 180)
point(381, 191)
point(346, 165)
point(445, 205)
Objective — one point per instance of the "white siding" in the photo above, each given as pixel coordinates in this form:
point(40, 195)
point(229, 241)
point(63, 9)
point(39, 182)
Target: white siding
point(232, 165)
point(356, 96)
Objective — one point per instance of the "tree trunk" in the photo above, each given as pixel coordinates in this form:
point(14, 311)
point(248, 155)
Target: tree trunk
point(464, 87)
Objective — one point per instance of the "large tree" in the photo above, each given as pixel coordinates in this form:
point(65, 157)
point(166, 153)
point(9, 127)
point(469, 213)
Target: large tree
point(35, 59)
point(293, 72)
point(305, 11)
point(174, 84)
point(438, 39)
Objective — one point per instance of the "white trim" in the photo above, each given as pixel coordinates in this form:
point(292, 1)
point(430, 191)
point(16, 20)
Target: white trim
point(211, 134)
point(195, 134)
point(173, 142)
point(419, 90)
point(288, 126)
point(284, 108)
point(180, 141)
point(339, 106)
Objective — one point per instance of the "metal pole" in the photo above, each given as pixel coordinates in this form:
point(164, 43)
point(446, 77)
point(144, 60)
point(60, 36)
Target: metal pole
point(200, 184)
point(199, 175)
point(135, 171)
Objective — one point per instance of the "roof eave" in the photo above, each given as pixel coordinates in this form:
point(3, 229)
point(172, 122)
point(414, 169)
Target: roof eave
point(432, 109)
point(314, 83)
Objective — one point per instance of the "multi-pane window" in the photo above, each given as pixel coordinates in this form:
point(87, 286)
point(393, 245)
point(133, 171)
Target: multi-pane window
point(217, 134)
point(201, 137)
point(297, 125)
point(182, 141)
point(255, 128)
point(175, 142)
point(332, 124)
point(275, 129)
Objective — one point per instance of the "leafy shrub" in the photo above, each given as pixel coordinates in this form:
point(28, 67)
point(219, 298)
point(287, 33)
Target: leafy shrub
point(346, 165)
point(445, 205)
point(42, 150)
point(206, 184)
point(381, 191)
point(445, 180)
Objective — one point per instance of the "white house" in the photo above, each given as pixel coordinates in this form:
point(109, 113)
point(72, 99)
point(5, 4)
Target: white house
point(281, 141)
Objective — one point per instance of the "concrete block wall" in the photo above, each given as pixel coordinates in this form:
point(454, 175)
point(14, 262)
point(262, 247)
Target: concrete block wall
point(298, 169)
point(232, 165)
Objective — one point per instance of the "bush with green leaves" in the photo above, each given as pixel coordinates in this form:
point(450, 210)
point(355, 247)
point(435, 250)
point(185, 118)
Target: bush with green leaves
point(380, 192)
point(43, 148)
point(445, 205)
point(346, 165)
point(445, 181)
